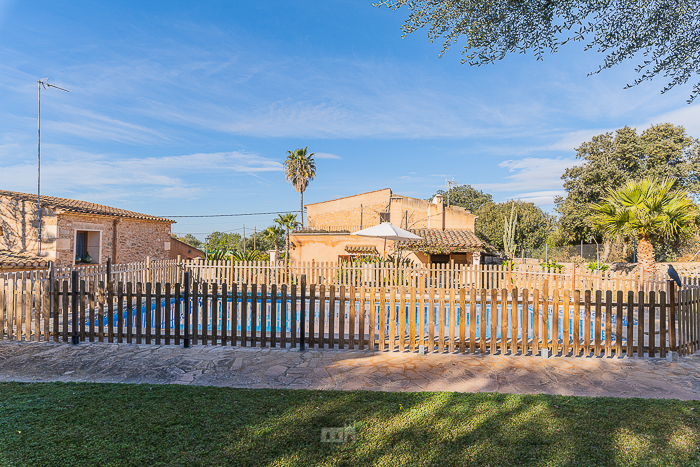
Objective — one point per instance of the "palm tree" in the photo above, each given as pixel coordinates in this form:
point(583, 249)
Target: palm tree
point(288, 222)
point(300, 169)
point(647, 209)
point(273, 233)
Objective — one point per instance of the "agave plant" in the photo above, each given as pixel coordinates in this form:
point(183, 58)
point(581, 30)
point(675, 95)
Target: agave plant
point(647, 209)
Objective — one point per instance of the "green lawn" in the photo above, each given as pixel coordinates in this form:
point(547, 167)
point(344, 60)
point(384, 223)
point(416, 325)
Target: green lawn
point(58, 424)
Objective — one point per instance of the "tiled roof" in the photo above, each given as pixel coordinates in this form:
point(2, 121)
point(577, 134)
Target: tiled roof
point(72, 205)
point(371, 249)
point(437, 241)
point(11, 260)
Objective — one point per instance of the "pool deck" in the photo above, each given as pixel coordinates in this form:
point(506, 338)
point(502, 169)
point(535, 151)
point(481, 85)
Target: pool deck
point(349, 370)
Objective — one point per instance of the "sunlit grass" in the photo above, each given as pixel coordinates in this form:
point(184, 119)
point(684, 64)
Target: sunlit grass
point(133, 425)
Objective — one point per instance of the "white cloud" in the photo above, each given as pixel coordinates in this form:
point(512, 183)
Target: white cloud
point(105, 176)
point(326, 155)
point(533, 179)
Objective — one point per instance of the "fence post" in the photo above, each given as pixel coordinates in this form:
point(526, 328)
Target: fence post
point(672, 355)
point(187, 310)
point(109, 269)
point(75, 337)
point(302, 321)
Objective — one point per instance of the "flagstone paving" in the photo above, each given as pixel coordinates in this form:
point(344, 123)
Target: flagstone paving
point(349, 370)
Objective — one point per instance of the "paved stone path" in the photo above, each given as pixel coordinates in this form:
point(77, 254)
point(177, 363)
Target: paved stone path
point(348, 370)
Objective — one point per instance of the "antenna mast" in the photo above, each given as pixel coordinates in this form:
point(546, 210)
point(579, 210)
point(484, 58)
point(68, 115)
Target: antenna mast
point(42, 83)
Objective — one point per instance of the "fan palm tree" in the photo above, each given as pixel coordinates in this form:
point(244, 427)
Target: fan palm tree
point(288, 222)
point(300, 169)
point(273, 233)
point(647, 209)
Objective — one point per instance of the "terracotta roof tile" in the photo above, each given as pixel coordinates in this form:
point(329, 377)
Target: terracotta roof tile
point(72, 205)
point(436, 241)
point(10, 259)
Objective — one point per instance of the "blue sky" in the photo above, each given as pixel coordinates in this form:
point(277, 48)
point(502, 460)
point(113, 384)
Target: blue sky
point(184, 108)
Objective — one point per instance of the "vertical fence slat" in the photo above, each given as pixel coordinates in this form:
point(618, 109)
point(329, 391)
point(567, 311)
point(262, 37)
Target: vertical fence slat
point(608, 323)
point(372, 314)
point(254, 297)
point(402, 319)
point(273, 315)
point(351, 318)
point(293, 315)
point(662, 324)
point(441, 320)
point(149, 312)
point(504, 321)
point(341, 318)
point(640, 325)
point(214, 311)
point(493, 316)
point(472, 320)
point(167, 318)
point(361, 326)
point(321, 314)
point(382, 318)
point(263, 315)
point(652, 323)
point(283, 318)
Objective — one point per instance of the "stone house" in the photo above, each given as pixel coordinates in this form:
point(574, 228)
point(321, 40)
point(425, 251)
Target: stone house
point(74, 232)
point(447, 232)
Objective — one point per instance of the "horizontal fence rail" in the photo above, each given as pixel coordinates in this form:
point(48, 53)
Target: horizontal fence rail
point(431, 319)
point(428, 275)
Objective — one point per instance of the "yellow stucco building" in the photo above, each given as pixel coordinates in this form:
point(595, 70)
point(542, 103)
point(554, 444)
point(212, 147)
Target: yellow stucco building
point(447, 232)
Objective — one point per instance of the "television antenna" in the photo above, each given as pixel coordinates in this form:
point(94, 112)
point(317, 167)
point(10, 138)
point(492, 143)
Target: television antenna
point(42, 83)
point(449, 184)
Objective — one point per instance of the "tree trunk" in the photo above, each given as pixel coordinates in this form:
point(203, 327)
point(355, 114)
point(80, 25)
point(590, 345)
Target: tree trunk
point(606, 251)
point(286, 253)
point(645, 253)
point(301, 208)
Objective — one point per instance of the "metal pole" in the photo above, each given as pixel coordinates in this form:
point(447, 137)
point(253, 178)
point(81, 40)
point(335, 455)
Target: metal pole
point(38, 170)
point(243, 238)
point(302, 321)
point(187, 310)
point(75, 337)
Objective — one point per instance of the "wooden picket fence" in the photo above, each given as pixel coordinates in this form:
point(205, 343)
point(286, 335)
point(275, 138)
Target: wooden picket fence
point(430, 275)
point(455, 320)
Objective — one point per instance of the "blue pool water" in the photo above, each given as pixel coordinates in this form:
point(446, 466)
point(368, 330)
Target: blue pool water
point(459, 315)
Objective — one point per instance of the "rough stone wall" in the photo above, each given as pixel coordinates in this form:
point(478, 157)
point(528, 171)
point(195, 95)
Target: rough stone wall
point(19, 221)
point(182, 249)
point(137, 239)
point(346, 212)
point(68, 224)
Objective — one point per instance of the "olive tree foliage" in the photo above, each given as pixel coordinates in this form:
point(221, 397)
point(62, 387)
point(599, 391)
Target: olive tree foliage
point(533, 224)
point(609, 160)
point(662, 36)
point(465, 196)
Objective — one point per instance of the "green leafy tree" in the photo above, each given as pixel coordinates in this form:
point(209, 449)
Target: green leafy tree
point(300, 169)
point(534, 224)
point(649, 209)
point(224, 241)
point(609, 160)
point(664, 36)
point(466, 196)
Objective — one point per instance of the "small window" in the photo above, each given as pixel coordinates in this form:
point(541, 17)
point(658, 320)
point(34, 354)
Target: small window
point(87, 247)
point(384, 217)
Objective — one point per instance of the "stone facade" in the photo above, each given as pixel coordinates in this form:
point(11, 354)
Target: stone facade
point(183, 250)
point(122, 239)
